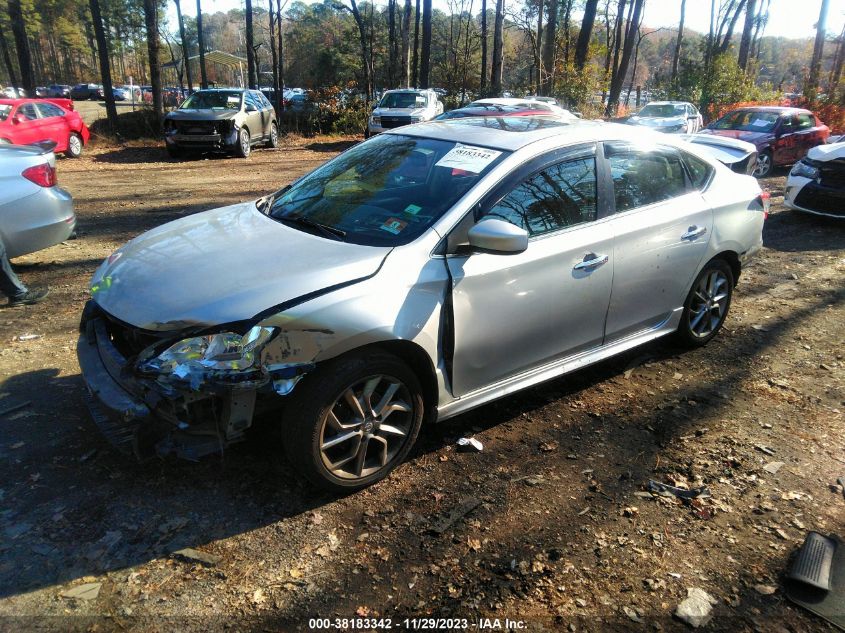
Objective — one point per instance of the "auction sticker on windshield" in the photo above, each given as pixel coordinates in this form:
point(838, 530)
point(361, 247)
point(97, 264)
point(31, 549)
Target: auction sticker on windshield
point(392, 225)
point(469, 158)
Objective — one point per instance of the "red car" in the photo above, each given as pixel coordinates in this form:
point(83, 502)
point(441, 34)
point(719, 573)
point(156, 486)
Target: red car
point(29, 121)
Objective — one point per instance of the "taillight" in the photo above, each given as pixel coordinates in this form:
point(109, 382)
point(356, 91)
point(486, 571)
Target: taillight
point(765, 201)
point(42, 175)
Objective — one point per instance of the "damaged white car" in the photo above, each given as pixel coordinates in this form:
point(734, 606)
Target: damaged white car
point(816, 183)
point(416, 276)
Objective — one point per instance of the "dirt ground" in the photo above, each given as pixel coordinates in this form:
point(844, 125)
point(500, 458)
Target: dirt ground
point(562, 534)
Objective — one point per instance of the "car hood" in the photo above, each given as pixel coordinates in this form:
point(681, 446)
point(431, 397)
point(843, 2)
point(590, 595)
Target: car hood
point(657, 121)
point(190, 114)
point(221, 266)
point(827, 152)
point(399, 111)
point(742, 135)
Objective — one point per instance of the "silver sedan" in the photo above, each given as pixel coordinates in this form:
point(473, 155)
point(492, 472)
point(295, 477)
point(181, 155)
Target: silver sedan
point(416, 276)
point(34, 212)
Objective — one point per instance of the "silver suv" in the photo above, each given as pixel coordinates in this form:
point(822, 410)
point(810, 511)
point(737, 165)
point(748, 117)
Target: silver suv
point(230, 120)
point(414, 277)
point(403, 107)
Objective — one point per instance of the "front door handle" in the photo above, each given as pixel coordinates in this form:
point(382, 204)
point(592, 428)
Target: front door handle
point(591, 260)
point(694, 232)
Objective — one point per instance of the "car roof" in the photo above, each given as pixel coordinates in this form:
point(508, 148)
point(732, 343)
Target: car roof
point(776, 109)
point(513, 133)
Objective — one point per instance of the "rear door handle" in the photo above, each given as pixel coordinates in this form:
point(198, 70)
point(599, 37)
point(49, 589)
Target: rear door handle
point(694, 232)
point(591, 260)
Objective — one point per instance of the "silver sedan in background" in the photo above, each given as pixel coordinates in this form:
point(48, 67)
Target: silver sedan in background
point(35, 212)
point(416, 276)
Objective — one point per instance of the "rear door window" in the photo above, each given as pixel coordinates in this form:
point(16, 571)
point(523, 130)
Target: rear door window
point(644, 176)
point(50, 110)
point(699, 171)
point(28, 111)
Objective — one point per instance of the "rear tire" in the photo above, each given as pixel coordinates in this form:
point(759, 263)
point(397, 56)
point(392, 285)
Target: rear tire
point(354, 419)
point(243, 147)
point(707, 304)
point(74, 146)
point(273, 141)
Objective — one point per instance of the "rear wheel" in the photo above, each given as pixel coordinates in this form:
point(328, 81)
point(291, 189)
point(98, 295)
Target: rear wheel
point(74, 146)
point(764, 164)
point(353, 420)
point(243, 148)
point(707, 304)
point(273, 141)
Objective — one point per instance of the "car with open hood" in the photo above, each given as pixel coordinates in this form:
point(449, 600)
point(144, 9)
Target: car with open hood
point(415, 276)
point(782, 135)
point(224, 120)
point(816, 183)
point(670, 117)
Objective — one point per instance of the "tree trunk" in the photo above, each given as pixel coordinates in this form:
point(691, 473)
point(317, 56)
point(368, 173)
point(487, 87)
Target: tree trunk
point(677, 56)
point(812, 85)
point(151, 23)
point(8, 60)
point(425, 62)
point(711, 35)
point(538, 50)
point(619, 76)
point(582, 47)
point(273, 54)
point(105, 69)
point(547, 72)
point(498, 49)
point(483, 83)
point(726, 41)
point(22, 46)
point(415, 71)
point(185, 61)
point(391, 43)
point(280, 24)
point(250, 47)
point(747, 28)
point(365, 51)
point(201, 44)
point(406, 45)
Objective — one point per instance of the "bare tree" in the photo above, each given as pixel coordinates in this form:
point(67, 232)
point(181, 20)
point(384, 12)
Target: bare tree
point(250, 46)
point(406, 45)
point(622, 70)
point(7, 59)
point(416, 65)
point(391, 43)
point(677, 55)
point(274, 55)
point(483, 83)
point(812, 85)
point(548, 67)
point(731, 15)
point(280, 23)
point(151, 24)
point(185, 62)
point(582, 47)
point(747, 28)
point(105, 68)
point(366, 58)
point(201, 43)
point(538, 48)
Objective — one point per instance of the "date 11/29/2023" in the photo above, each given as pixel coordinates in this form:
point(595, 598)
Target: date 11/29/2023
point(416, 624)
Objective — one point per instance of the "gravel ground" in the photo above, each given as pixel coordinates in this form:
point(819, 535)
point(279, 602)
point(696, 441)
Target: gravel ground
point(552, 526)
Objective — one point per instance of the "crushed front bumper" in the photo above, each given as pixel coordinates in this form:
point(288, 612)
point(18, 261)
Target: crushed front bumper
point(138, 418)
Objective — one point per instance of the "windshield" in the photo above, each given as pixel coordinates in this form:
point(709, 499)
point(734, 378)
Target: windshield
point(213, 100)
point(664, 110)
point(386, 191)
point(748, 121)
point(402, 100)
point(4, 111)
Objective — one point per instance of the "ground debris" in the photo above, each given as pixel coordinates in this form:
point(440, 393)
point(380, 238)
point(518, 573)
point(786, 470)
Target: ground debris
point(697, 609)
point(196, 556)
point(456, 514)
point(87, 591)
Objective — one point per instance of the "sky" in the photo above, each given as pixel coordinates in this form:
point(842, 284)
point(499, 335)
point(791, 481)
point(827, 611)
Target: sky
point(787, 18)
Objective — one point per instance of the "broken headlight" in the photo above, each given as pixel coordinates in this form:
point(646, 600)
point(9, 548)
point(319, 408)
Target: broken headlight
point(805, 169)
point(224, 352)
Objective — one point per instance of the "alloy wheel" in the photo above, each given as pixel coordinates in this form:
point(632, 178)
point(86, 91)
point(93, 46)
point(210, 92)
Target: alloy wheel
point(75, 145)
point(709, 303)
point(764, 166)
point(244, 143)
point(366, 427)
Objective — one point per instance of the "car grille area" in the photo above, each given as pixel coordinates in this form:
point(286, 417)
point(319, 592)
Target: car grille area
point(832, 173)
point(827, 200)
point(394, 121)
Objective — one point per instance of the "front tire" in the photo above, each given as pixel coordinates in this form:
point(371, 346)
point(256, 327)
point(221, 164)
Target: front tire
point(764, 165)
point(353, 420)
point(243, 147)
point(174, 151)
point(707, 304)
point(74, 146)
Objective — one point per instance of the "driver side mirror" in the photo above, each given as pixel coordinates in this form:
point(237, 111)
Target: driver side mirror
point(19, 118)
point(498, 236)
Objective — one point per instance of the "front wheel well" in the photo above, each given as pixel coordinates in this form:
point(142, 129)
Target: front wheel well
point(733, 261)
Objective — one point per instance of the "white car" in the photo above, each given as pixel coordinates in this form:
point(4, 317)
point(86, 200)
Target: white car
point(534, 103)
point(673, 117)
point(816, 183)
point(403, 107)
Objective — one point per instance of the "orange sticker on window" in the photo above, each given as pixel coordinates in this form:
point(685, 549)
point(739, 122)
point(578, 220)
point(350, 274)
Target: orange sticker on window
point(393, 225)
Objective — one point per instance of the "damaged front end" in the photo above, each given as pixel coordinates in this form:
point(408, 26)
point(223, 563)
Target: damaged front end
point(189, 394)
